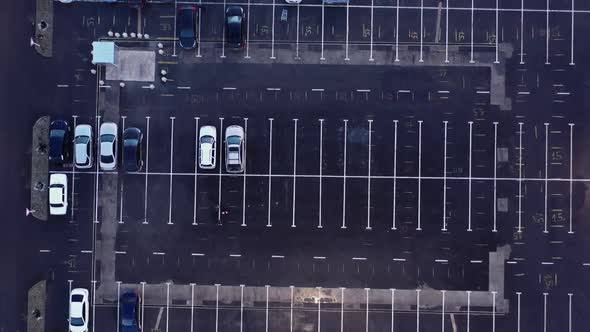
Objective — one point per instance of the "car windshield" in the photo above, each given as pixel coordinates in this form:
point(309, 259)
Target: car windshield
point(56, 205)
point(77, 298)
point(82, 140)
point(107, 159)
point(233, 140)
point(207, 139)
point(234, 19)
point(127, 322)
point(57, 133)
point(76, 321)
point(107, 138)
point(131, 142)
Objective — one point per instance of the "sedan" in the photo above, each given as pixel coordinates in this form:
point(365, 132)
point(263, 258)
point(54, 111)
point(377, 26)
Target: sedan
point(79, 310)
point(83, 146)
point(129, 312)
point(186, 25)
point(132, 142)
point(108, 146)
point(235, 23)
point(58, 194)
point(59, 142)
point(234, 149)
point(207, 147)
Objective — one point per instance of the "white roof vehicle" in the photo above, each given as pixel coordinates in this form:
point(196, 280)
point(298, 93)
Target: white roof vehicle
point(108, 146)
point(79, 310)
point(207, 147)
point(83, 146)
point(58, 194)
point(234, 149)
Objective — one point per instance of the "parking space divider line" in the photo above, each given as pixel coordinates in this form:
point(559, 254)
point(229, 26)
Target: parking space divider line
point(548, 34)
point(118, 303)
point(494, 311)
point(241, 307)
point(196, 170)
point(444, 221)
point(171, 163)
point(393, 222)
point(392, 308)
point(572, 38)
point(266, 317)
point(248, 33)
point(73, 174)
point(472, 14)
point(297, 36)
point(346, 58)
point(123, 117)
point(192, 305)
point(268, 223)
point(468, 310)
point(294, 168)
point(93, 304)
point(446, 32)
point(174, 36)
point(419, 228)
point(321, 167)
point(421, 29)
point(291, 309)
point(522, 32)
point(217, 307)
point(245, 171)
point(470, 170)
point(272, 32)
point(369, 179)
point(70, 299)
point(199, 32)
point(545, 312)
point(147, 164)
point(372, 27)
point(494, 203)
point(518, 311)
point(344, 176)
point(319, 308)
point(417, 310)
point(396, 30)
point(221, 140)
point(322, 48)
point(442, 316)
point(367, 309)
point(571, 125)
point(97, 169)
point(520, 177)
point(569, 295)
point(497, 37)
point(546, 172)
point(223, 32)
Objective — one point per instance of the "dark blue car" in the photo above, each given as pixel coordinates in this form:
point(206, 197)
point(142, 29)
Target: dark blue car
point(129, 307)
point(187, 26)
point(59, 142)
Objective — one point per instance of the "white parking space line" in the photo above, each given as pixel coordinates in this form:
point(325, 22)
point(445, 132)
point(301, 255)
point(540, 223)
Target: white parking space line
point(569, 295)
point(294, 167)
point(495, 229)
point(221, 141)
point(192, 306)
point(147, 165)
point(75, 117)
point(322, 47)
point(396, 31)
point(393, 221)
point(546, 169)
point(520, 177)
point(367, 309)
point(199, 31)
point(442, 316)
point(321, 170)
point(518, 311)
point(344, 176)
point(419, 228)
point(268, 223)
point(494, 311)
point(196, 170)
point(417, 310)
point(346, 58)
point(248, 33)
point(446, 31)
point(118, 303)
point(245, 172)
point(472, 12)
point(167, 305)
point(123, 117)
point(174, 36)
point(241, 308)
point(319, 308)
point(217, 307)
point(548, 34)
point(93, 304)
point(392, 308)
point(521, 32)
point(70, 297)
point(571, 230)
point(97, 169)
point(272, 32)
point(544, 312)
point(266, 317)
point(421, 29)
point(223, 32)
point(497, 36)
point(470, 169)
point(572, 37)
point(444, 221)
point(142, 301)
point(291, 310)
point(171, 162)
point(297, 38)
point(468, 310)
point(371, 47)
point(369, 180)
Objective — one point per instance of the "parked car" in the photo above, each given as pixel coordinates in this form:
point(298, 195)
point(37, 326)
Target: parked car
point(234, 149)
point(108, 146)
point(129, 312)
point(58, 194)
point(187, 26)
point(132, 155)
point(235, 26)
point(207, 147)
point(59, 142)
point(293, 1)
point(79, 310)
point(83, 146)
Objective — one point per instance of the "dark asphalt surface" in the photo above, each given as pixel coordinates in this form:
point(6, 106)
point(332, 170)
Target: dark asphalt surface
point(30, 92)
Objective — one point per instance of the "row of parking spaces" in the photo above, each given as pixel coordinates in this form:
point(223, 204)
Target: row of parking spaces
point(426, 170)
point(220, 308)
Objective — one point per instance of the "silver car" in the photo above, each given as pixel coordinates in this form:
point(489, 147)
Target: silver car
point(83, 146)
point(234, 149)
point(108, 146)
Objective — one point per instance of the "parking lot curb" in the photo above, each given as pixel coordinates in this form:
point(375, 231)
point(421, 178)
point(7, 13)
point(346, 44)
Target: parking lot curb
point(36, 299)
point(39, 168)
point(44, 28)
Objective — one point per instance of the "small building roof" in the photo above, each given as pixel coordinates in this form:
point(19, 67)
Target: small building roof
point(103, 52)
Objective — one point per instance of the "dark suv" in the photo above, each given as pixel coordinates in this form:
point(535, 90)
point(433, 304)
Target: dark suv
point(59, 142)
point(132, 157)
point(235, 22)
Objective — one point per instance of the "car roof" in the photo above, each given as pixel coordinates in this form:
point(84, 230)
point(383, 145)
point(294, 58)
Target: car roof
point(83, 130)
point(56, 195)
point(108, 128)
point(76, 309)
point(234, 131)
point(206, 154)
point(208, 131)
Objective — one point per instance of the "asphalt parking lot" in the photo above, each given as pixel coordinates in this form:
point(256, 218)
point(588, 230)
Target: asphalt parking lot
point(356, 176)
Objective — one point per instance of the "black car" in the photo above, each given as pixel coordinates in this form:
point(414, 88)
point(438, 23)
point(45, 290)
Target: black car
point(132, 157)
point(59, 142)
point(234, 26)
point(129, 304)
point(186, 26)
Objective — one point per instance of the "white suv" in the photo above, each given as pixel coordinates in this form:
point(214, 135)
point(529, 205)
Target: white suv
point(207, 147)
point(234, 149)
point(58, 194)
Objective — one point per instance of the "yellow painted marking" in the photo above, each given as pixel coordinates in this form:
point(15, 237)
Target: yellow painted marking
point(167, 62)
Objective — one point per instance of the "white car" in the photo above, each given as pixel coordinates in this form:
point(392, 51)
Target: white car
point(234, 149)
point(207, 147)
point(83, 146)
point(108, 146)
point(58, 194)
point(79, 310)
